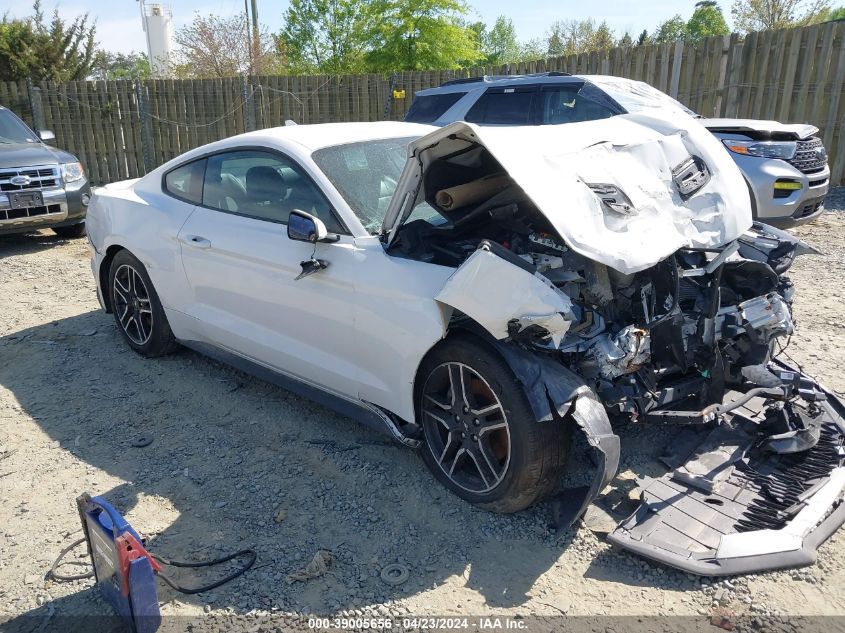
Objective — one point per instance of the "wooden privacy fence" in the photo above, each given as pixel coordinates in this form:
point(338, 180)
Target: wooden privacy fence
point(122, 129)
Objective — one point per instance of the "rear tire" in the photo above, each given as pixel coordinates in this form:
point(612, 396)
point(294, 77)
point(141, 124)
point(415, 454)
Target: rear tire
point(137, 309)
point(481, 438)
point(72, 231)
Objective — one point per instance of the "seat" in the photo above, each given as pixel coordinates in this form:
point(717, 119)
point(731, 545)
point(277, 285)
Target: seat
point(227, 192)
point(266, 191)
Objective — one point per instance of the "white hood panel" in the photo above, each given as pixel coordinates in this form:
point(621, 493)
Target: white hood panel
point(636, 152)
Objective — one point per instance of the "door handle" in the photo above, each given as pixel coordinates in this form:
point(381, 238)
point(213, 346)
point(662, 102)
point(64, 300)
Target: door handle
point(197, 241)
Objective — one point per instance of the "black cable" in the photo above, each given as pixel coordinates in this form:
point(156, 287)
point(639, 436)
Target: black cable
point(192, 590)
point(56, 576)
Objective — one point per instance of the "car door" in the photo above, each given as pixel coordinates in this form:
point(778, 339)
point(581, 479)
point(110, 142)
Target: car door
point(242, 270)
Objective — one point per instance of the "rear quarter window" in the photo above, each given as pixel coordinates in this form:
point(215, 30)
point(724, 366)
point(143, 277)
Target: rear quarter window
point(508, 106)
point(185, 182)
point(571, 103)
point(429, 108)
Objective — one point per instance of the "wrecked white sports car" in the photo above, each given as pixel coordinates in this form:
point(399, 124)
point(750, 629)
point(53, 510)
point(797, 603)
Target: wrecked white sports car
point(486, 294)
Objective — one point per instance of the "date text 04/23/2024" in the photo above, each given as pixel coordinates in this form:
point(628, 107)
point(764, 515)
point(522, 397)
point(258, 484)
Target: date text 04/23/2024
point(418, 623)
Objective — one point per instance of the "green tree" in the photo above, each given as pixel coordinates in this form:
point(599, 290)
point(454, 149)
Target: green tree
point(707, 20)
point(500, 45)
point(534, 48)
point(626, 41)
point(602, 39)
point(111, 66)
point(758, 15)
point(420, 34)
point(326, 36)
point(643, 39)
point(570, 37)
point(833, 14)
point(57, 50)
point(671, 30)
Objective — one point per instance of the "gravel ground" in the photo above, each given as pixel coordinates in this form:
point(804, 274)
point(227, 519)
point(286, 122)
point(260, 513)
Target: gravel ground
point(236, 462)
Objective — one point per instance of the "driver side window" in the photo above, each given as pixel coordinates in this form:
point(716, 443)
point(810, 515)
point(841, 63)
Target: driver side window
point(264, 186)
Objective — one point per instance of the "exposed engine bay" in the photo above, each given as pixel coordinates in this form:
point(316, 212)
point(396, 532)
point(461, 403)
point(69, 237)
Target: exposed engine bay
point(691, 340)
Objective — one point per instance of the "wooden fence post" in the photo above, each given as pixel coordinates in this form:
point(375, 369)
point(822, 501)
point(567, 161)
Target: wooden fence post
point(146, 127)
point(35, 107)
point(249, 113)
point(675, 82)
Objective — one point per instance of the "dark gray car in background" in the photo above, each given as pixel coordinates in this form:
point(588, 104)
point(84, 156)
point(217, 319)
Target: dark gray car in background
point(41, 187)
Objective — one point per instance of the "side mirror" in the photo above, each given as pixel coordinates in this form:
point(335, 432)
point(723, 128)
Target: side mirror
point(47, 136)
point(304, 227)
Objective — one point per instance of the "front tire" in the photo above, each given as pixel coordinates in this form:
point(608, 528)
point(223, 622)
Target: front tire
point(481, 439)
point(137, 309)
point(72, 231)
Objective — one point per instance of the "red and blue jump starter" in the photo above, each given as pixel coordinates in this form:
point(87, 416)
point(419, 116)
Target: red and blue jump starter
point(125, 571)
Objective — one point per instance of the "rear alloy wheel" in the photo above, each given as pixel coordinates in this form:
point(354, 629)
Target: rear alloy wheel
point(481, 438)
point(136, 307)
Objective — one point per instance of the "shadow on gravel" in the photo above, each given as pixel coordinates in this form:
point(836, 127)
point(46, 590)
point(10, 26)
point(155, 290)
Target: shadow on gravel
point(236, 462)
point(28, 243)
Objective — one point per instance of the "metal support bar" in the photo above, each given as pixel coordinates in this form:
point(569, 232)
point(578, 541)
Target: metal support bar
point(389, 99)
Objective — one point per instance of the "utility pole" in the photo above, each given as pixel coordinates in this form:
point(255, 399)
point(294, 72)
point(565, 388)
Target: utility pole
point(256, 41)
point(248, 38)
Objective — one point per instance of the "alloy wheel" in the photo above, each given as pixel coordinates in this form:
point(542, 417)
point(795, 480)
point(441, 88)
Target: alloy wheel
point(466, 427)
point(132, 304)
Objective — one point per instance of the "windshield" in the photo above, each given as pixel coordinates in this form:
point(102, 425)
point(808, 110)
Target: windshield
point(365, 174)
point(13, 130)
point(636, 96)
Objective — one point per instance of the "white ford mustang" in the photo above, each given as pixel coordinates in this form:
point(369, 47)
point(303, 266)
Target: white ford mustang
point(484, 293)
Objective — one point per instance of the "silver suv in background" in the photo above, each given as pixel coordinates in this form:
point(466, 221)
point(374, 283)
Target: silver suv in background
point(785, 166)
point(40, 186)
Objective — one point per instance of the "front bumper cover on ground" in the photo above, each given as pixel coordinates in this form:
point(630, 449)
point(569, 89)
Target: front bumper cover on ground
point(735, 506)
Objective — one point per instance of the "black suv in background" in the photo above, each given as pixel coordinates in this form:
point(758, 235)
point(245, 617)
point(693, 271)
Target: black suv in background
point(40, 186)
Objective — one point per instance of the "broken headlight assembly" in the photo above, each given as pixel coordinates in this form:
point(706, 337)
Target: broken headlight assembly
point(690, 176)
point(763, 149)
point(613, 198)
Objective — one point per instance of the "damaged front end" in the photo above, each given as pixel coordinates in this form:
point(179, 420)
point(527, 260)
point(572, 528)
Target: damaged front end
point(606, 326)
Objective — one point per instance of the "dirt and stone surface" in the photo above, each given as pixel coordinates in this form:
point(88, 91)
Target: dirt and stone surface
point(236, 462)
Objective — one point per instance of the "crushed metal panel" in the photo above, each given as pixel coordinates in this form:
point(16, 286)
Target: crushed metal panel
point(494, 292)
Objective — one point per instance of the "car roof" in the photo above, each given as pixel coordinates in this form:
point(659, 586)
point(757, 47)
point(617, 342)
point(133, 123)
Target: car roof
point(489, 81)
point(316, 136)
point(303, 140)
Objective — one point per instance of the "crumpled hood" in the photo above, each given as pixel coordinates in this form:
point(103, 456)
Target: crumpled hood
point(634, 152)
point(742, 126)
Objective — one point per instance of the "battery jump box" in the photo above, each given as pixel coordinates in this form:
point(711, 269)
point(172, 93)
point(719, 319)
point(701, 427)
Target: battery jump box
point(124, 570)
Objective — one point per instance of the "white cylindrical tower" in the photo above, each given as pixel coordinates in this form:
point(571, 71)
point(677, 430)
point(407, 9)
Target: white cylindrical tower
point(158, 25)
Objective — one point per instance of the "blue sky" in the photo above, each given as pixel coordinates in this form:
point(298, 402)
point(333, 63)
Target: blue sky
point(119, 23)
